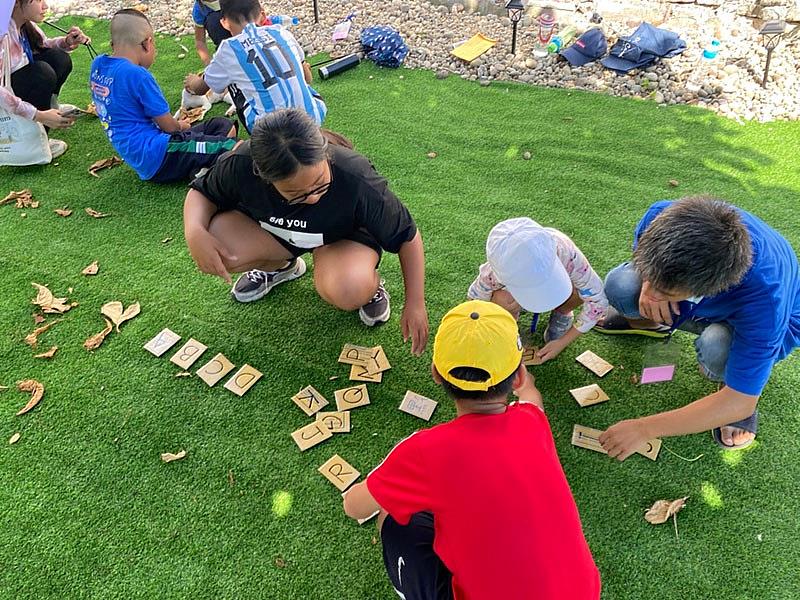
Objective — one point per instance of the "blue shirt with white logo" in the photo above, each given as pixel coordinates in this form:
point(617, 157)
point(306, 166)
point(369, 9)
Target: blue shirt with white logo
point(763, 310)
point(127, 98)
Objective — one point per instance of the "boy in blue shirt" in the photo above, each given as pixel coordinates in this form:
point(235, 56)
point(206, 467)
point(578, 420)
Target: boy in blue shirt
point(207, 18)
point(136, 117)
point(705, 266)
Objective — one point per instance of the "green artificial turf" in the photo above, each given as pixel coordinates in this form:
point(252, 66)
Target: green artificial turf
point(87, 508)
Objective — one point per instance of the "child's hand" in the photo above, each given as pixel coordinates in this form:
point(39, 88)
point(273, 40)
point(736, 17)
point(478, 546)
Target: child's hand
point(184, 124)
point(75, 37)
point(624, 438)
point(209, 254)
point(527, 391)
point(552, 349)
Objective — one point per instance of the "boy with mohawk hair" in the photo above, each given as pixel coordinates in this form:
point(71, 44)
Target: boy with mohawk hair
point(479, 508)
point(136, 117)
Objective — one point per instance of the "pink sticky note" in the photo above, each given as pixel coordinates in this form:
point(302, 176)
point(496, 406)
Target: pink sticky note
point(657, 374)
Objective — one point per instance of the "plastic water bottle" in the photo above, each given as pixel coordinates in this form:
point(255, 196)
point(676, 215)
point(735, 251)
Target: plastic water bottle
point(547, 22)
point(284, 20)
point(557, 42)
point(702, 68)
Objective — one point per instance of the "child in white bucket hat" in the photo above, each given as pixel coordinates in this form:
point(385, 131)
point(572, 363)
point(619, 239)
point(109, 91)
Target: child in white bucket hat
point(540, 269)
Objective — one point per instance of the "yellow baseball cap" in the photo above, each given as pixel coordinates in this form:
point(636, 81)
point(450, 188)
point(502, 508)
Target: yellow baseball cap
point(481, 335)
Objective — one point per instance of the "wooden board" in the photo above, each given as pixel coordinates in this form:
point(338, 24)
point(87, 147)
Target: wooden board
point(594, 363)
point(309, 400)
point(188, 354)
point(336, 421)
point(165, 340)
point(418, 405)
point(355, 355)
point(243, 380)
point(339, 472)
point(379, 362)
point(529, 356)
point(650, 449)
point(589, 395)
point(361, 373)
point(215, 369)
point(352, 397)
point(311, 435)
point(586, 437)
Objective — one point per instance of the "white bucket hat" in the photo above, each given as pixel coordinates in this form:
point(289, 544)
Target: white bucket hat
point(523, 256)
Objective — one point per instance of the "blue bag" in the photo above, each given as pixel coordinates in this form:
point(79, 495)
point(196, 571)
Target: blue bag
point(384, 46)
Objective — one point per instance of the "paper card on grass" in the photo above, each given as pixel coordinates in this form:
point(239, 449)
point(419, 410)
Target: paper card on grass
point(215, 369)
point(339, 472)
point(361, 373)
point(657, 374)
point(311, 435)
point(352, 397)
point(243, 380)
point(188, 354)
point(594, 363)
point(309, 400)
point(165, 340)
point(336, 421)
point(588, 395)
point(529, 356)
point(418, 405)
point(474, 47)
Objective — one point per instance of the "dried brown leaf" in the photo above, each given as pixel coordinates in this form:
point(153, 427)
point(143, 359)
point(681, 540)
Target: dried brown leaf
point(114, 311)
point(280, 562)
point(48, 302)
point(93, 343)
point(33, 337)
point(14, 438)
point(37, 391)
point(21, 199)
point(193, 114)
point(634, 379)
point(168, 457)
point(104, 163)
point(96, 214)
point(432, 155)
point(673, 183)
point(91, 269)
point(663, 510)
point(63, 212)
point(231, 480)
point(37, 318)
point(49, 354)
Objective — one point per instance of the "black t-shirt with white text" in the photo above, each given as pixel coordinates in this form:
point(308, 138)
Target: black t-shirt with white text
point(359, 204)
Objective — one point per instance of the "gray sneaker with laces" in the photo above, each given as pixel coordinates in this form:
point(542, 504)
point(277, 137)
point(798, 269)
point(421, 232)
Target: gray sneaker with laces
point(256, 284)
point(557, 326)
point(377, 310)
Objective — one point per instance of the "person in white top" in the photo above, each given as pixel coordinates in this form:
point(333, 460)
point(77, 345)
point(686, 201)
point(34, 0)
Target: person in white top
point(39, 67)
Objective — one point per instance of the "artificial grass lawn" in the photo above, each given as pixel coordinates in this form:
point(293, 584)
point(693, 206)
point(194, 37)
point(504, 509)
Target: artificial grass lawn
point(88, 509)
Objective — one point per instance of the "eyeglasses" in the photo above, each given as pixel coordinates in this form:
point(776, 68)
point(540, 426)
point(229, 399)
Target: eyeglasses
point(315, 192)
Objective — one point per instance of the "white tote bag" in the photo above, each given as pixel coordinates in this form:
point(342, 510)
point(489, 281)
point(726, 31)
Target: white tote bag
point(22, 141)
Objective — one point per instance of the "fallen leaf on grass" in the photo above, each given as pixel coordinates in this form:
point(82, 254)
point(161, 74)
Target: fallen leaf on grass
point(21, 199)
point(634, 379)
point(63, 212)
point(14, 438)
point(104, 163)
point(96, 214)
point(33, 337)
point(280, 563)
point(48, 302)
point(91, 269)
point(183, 374)
point(38, 319)
point(432, 155)
point(168, 457)
point(91, 109)
point(663, 510)
point(49, 354)
point(93, 343)
point(673, 183)
point(37, 391)
point(231, 480)
point(193, 114)
point(114, 311)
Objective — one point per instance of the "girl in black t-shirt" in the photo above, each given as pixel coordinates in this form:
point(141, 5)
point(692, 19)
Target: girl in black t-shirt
point(287, 192)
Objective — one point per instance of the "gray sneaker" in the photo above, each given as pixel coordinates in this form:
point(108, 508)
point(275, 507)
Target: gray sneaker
point(557, 326)
point(377, 310)
point(256, 284)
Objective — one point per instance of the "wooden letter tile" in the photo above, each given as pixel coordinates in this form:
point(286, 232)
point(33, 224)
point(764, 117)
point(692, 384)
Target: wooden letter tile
point(588, 395)
point(215, 369)
point(352, 397)
point(594, 363)
point(529, 356)
point(188, 354)
point(361, 373)
point(311, 435)
point(650, 449)
point(418, 405)
point(337, 422)
point(309, 400)
point(378, 362)
point(339, 472)
point(586, 437)
point(243, 380)
point(355, 355)
point(165, 340)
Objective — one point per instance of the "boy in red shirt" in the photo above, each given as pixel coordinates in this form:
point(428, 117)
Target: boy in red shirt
point(479, 508)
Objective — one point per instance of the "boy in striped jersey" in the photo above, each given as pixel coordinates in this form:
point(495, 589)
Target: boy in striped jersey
point(264, 68)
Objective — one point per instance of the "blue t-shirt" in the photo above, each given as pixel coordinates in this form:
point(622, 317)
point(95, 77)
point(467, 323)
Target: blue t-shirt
point(201, 10)
point(763, 310)
point(127, 99)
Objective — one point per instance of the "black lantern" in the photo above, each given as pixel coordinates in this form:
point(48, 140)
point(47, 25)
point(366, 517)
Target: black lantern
point(771, 33)
point(515, 10)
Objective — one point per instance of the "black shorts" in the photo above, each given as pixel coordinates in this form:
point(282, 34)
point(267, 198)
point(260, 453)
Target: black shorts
point(214, 28)
point(414, 569)
point(191, 150)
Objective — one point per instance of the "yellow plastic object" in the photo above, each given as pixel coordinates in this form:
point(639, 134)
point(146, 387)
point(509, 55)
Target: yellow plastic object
point(474, 47)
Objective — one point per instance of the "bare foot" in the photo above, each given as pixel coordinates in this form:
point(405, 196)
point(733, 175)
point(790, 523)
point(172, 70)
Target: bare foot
point(733, 436)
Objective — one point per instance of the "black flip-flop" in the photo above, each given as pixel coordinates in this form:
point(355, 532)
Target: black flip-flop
point(749, 424)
